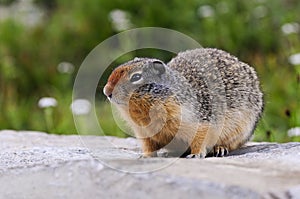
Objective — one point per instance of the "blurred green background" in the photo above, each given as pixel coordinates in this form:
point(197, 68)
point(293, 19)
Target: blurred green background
point(43, 43)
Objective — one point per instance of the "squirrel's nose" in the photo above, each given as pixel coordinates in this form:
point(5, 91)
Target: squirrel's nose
point(107, 90)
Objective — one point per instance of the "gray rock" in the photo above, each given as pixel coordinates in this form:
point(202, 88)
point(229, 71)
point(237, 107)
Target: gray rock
point(39, 165)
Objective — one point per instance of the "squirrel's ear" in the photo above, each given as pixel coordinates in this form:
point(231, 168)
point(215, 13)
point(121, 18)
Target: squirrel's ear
point(159, 67)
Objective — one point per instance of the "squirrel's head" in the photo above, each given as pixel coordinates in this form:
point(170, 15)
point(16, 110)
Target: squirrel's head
point(131, 76)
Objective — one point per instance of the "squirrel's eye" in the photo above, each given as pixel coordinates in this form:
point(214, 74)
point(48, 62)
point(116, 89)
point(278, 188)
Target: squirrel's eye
point(136, 77)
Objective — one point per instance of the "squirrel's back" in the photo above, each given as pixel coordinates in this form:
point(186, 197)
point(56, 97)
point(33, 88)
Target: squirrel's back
point(216, 71)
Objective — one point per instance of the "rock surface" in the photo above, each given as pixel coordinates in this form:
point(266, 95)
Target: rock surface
point(39, 165)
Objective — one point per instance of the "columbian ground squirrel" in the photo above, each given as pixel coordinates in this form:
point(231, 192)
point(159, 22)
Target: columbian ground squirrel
point(204, 101)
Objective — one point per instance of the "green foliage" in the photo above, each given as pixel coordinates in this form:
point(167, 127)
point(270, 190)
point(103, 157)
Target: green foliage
point(251, 30)
point(6, 2)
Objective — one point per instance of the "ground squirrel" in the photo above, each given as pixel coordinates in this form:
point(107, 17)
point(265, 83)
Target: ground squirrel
point(204, 101)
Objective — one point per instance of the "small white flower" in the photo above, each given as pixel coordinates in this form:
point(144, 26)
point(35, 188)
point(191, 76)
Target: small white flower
point(65, 67)
point(81, 107)
point(294, 132)
point(120, 20)
point(46, 102)
point(290, 28)
point(295, 59)
point(205, 11)
point(260, 11)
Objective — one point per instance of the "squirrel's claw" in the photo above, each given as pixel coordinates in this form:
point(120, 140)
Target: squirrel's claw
point(220, 151)
point(200, 155)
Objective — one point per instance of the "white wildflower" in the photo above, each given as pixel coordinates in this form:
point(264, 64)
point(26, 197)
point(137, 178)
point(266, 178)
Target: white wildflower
point(65, 67)
point(81, 107)
point(120, 20)
point(23, 11)
point(46, 102)
point(295, 59)
point(205, 11)
point(260, 11)
point(294, 132)
point(290, 28)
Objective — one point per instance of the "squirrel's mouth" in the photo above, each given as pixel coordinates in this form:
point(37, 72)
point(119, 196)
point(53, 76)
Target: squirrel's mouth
point(116, 101)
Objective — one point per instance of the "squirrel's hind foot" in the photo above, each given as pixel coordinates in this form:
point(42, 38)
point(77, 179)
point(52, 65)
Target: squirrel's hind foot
point(219, 151)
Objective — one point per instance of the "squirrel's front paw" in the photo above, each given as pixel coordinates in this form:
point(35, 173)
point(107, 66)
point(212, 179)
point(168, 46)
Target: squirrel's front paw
point(200, 155)
point(220, 151)
point(149, 154)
